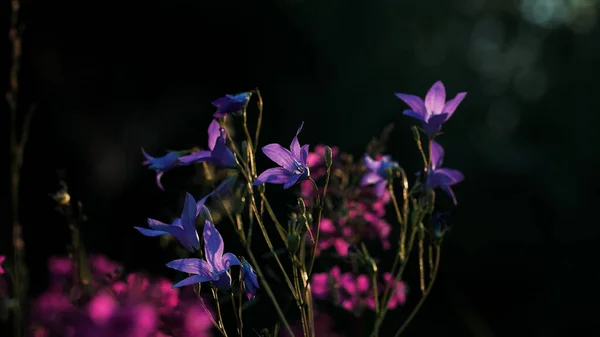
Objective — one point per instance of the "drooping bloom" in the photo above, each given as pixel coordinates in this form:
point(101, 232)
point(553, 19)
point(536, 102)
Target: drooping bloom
point(2, 258)
point(434, 111)
point(230, 103)
point(216, 266)
point(292, 162)
point(441, 177)
point(378, 172)
point(249, 279)
point(162, 164)
point(218, 154)
point(183, 228)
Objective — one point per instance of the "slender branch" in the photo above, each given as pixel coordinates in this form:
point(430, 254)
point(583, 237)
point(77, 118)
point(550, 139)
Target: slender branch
point(427, 291)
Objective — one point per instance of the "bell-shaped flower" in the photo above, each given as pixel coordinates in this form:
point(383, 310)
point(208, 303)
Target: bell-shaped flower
point(434, 111)
point(441, 177)
point(378, 172)
point(218, 154)
point(249, 279)
point(215, 267)
point(292, 162)
point(183, 228)
point(162, 164)
point(229, 104)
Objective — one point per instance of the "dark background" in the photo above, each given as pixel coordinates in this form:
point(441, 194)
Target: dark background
point(109, 77)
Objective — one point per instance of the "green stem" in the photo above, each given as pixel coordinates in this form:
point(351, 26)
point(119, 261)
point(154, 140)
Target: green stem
point(260, 116)
point(218, 307)
point(427, 291)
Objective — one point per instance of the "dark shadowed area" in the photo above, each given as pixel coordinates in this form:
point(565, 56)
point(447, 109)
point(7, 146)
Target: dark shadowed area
point(107, 78)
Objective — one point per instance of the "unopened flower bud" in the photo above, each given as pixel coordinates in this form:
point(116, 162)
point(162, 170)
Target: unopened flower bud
point(328, 156)
point(293, 241)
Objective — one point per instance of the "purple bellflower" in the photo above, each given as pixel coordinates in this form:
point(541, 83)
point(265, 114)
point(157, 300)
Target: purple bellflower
point(219, 153)
point(216, 266)
point(230, 103)
point(249, 279)
point(434, 111)
point(162, 164)
point(378, 172)
point(183, 228)
point(438, 176)
point(292, 162)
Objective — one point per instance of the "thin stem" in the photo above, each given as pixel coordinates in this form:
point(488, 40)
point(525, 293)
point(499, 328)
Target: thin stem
point(394, 282)
point(260, 116)
point(268, 290)
point(237, 314)
point(219, 316)
point(427, 291)
point(375, 292)
point(210, 316)
point(321, 206)
point(421, 264)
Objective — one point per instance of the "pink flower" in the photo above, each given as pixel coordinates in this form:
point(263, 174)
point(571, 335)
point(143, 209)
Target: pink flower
point(2, 258)
point(399, 296)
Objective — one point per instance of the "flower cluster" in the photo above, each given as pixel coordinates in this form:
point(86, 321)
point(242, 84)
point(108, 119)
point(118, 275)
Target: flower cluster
point(136, 306)
point(354, 292)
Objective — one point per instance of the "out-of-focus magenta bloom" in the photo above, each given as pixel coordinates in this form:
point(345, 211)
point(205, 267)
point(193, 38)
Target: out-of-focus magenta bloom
point(399, 296)
point(138, 306)
point(218, 154)
point(324, 327)
point(352, 292)
point(441, 177)
point(355, 222)
point(2, 258)
point(292, 162)
point(229, 104)
point(161, 164)
point(434, 111)
point(377, 173)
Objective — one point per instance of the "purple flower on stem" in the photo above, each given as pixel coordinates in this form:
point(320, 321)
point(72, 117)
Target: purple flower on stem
point(438, 176)
point(219, 153)
point(378, 172)
point(161, 164)
point(216, 266)
point(230, 103)
point(293, 163)
point(249, 279)
point(434, 111)
point(183, 228)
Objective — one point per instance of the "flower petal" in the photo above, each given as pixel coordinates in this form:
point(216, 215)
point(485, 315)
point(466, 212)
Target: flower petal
point(230, 260)
point(435, 99)
point(304, 155)
point(436, 154)
point(223, 281)
point(159, 175)
point(415, 103)
point(380, 188)
point(280, 155)
point(452, 104)
point(191, 280)
point(213, 246)
point(221, 154)
point(150, 232)
point(295, 145)
point(188, 222)
point(201, 203)
point(214, 131)
point(370, 178)
point(453, 176)
point(414, 114)
point(276, 175)
point(194, 157)
point(192, 266)
point(292, 181)
point(433, 126)
point(372, 165)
